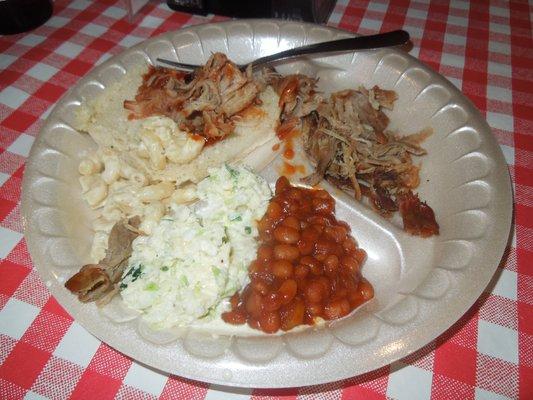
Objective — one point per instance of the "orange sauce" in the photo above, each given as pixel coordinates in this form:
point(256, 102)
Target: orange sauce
point(212, 140)
point(252, 112)
point(289, 169)
point(288, 153)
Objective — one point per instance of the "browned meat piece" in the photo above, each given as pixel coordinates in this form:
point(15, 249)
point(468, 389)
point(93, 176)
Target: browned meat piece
point(418, 217)
point(96, 282)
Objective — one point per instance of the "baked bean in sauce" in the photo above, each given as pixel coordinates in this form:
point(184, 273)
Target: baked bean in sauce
point(307, 266)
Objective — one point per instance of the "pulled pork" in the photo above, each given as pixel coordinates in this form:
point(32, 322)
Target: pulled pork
point(346, 137)
point(202, 102)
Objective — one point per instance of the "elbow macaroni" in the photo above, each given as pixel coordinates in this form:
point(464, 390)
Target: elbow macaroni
point(122, 184)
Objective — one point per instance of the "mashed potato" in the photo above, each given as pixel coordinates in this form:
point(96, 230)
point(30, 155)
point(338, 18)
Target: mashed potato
point(198, 255)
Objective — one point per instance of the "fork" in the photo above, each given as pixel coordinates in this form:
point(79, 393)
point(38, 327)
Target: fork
point(387, 39)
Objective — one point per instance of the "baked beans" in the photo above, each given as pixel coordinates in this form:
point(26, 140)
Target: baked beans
point(307, 266)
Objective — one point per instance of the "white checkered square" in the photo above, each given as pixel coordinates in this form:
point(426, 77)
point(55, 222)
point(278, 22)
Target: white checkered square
point(34, 396)
point(482, 394)
point(416, 13)
point(497, 341)
point(16, 317)
point(499, 93)
point(22, 145)
point(6, 60)
point(57, 379)
point(216, 392)
point(499, 11)
point(115, 12)
point(409, 383)
point(104, 57)
point(13, 97)
point(151, 22)
point(500, 28)
point(453, 61)
point(77, 346)
point(499, 69)
point(130, 40)
point(93, 30)
point(57, 22)
point(31, 40)
point(461, 5)
point(145, 379)
point(375, 6)
point(370, 24)
point(41, 71)
point(9, 240)
point(500, 47)
point(450, 38)
point(508, 153)
point(70, 50)
point(458, 83)
point(3, 178)
point(80, 4)
point(500, 121)
point(456, 20)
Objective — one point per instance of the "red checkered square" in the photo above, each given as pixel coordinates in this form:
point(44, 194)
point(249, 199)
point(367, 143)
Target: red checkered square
point(13, 219)
point(445, 388)
point(110, 362)
point(12, 276)
point(525, 344)
point(18, 121)
point(127, 392)
point(20, 255)
point(501, 311)
point(57, 379)
point(46, 331)
point(6, 345)
point(372, 384)
point(497, 376)
point(525, 310)
point(32, 290)
point(456, 362)
point(9, 390)
point(23, 365)
point(93, 385)
point(181, 388)
point(526, 382)
point(10, 190)
point(52, 306)
point(9, 163)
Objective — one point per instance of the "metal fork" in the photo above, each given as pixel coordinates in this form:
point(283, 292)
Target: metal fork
point(387, 39)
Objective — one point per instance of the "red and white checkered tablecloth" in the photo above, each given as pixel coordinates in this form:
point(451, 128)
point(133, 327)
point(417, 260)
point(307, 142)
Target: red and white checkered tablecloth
point(483, 47)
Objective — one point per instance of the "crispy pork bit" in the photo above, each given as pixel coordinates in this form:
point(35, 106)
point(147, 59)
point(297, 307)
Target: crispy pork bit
point(418, 217)
point(347, 140)
point(204, 102)
point(96, 282)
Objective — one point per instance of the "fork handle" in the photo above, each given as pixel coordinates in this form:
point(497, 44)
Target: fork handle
point(388, 39)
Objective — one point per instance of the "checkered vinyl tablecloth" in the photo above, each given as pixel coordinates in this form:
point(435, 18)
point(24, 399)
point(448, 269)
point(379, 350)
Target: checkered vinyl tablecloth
point(483, 47)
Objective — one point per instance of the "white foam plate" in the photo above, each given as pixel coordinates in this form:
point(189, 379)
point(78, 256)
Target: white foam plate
point(422, 286)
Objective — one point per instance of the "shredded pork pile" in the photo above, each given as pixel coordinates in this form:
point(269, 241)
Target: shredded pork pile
point(347, 139)
point(204, 102)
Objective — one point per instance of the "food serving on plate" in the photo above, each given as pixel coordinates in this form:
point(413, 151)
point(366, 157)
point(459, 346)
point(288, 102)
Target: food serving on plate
point(347, 139)
point(158, 131)
point(178, 230)
point(308, 267)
